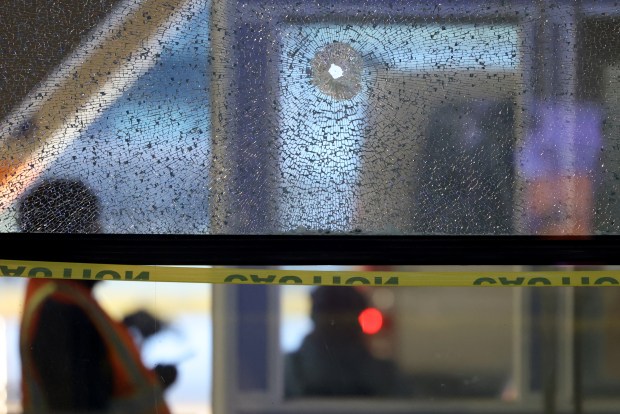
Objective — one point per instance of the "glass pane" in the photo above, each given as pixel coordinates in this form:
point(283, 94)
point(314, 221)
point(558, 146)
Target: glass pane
point(421, 343)
point(428, 123)
point(138, 139)
point(597, 342)
point(363, 117)
point(170, 325)
point(424, 349)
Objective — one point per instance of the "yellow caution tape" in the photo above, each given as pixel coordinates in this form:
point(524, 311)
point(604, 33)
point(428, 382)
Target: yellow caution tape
point(227, 275)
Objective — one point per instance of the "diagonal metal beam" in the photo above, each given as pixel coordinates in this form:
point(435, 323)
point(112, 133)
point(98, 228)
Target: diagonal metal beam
point(120, 50)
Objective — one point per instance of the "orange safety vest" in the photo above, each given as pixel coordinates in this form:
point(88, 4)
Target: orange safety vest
point(136, 389)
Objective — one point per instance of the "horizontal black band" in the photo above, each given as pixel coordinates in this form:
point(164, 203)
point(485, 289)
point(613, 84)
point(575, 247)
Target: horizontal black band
point(310, 250)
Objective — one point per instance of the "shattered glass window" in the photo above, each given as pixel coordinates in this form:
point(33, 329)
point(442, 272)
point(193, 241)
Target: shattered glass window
point(355, 117)
point(127, 116)
point(377, 135)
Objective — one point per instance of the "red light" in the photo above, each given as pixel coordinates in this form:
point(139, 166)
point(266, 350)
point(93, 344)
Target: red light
point(371, 321)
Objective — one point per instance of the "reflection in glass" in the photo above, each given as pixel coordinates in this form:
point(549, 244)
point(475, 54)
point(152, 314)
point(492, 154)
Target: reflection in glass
point(185, 340)
point(405, 118)
point(560, 165)
point(501, 347)
point(433, 343)
point(334, 359)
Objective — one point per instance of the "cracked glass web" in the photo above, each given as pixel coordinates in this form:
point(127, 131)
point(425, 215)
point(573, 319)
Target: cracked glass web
point(364, 117)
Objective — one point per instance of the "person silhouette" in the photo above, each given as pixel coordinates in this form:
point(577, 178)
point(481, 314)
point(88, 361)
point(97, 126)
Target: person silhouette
point(75, 358)
point(333, 359)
